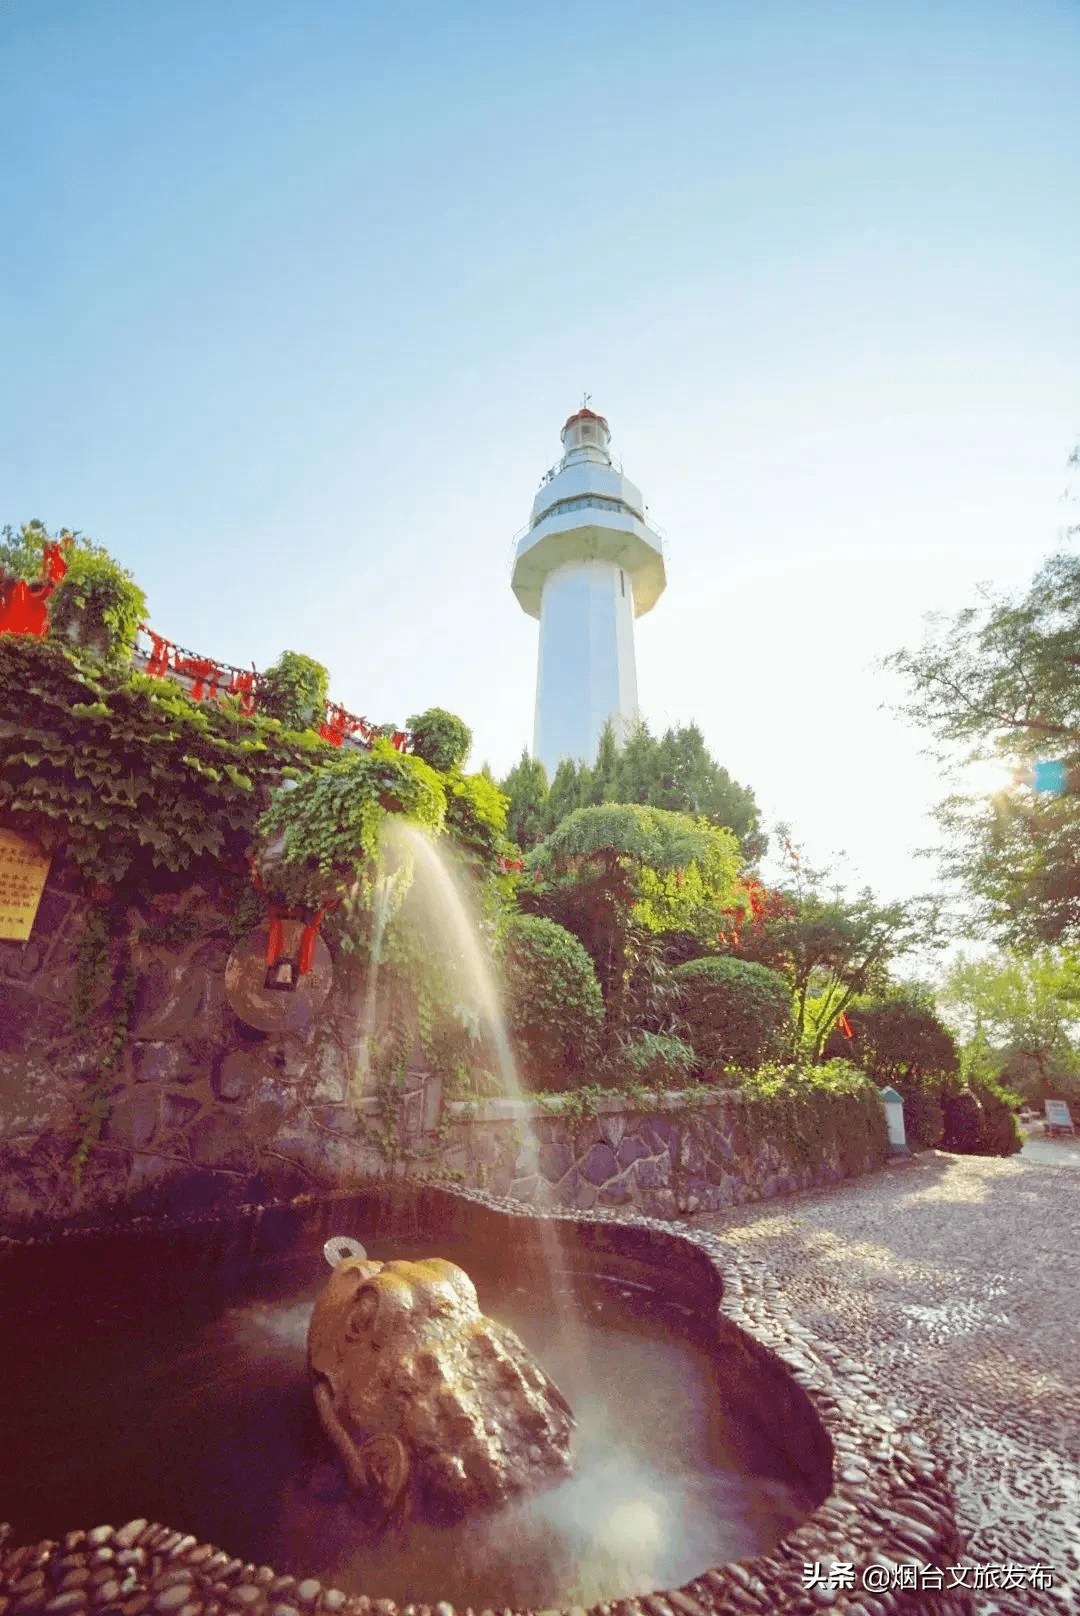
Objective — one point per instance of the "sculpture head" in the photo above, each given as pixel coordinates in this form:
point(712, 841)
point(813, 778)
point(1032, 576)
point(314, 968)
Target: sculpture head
point(424, 1397)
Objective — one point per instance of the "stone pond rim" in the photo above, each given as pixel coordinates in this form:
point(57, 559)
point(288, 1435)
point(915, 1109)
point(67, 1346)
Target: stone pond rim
point(879, 1492)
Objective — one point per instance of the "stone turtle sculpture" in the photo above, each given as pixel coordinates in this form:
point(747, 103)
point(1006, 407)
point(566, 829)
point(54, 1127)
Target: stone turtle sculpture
point(430, 1405)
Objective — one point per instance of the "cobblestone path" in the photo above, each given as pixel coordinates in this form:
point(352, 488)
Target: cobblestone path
point(956, 1280)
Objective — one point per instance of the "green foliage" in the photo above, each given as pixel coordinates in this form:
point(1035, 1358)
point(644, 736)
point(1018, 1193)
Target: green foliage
point(1023, 1012)
point(526, 790)
point(92, 966)
point(294, 691)
point(135, 779)
point(924, 1114)
point(554, 1009)
point(900, 1039)
point(325, 831)
point(652, 1001)
point(608, 871)
point(98, 603)
point(441, 739)
point(650, 839)
point(656, 1060)
point(476, 816)
point(96, 961)
point(832, 949)
point(811, 1112)
point(675, 773)
point(21, 553)
point(739, 1013)
point(979, 1120)
point(999, 683)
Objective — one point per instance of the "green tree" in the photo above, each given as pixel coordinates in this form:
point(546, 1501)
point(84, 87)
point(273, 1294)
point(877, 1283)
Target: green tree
point(1019, 1015)
point(610, 869)
point(564, 795)
point(600, 783)
point(441, 739)
point(830, 948)
point(675, 772)
point(526, 789)
point(1000, 682)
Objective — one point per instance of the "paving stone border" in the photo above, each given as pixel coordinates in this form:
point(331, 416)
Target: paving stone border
point(885, 1497)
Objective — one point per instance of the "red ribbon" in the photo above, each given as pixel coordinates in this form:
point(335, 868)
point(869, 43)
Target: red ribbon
point(243, 685)
point(160, 656)
point(23, 606)
point(205, 672)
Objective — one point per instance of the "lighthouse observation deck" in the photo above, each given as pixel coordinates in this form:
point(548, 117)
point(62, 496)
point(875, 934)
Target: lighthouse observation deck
point(587, 511)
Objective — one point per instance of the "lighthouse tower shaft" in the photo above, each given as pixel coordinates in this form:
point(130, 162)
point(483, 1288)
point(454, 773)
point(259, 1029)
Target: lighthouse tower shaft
point(586, 567)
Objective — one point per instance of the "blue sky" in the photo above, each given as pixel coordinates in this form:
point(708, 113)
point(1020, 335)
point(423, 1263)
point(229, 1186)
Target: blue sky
point(295, 298)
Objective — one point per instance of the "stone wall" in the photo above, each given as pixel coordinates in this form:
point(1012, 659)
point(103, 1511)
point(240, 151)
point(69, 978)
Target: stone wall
point(202, 1111)
point(675, 1157)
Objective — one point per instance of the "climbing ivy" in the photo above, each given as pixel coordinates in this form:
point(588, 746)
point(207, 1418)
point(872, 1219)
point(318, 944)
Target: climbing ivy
point(134, 778)
point(294, 691)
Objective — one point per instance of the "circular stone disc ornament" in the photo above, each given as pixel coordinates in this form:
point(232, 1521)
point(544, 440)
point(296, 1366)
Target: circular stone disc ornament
point(275, 1009)
point(340, 1246)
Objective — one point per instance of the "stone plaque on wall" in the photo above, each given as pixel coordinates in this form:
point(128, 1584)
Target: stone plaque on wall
point(24, 869)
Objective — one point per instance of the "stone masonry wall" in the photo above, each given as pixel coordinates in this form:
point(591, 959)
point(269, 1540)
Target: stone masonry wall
point(202, 1111)
point(669, 1159)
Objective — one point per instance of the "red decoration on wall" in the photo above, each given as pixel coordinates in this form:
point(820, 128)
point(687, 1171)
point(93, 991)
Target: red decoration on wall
point(242, 684)
point(338, 723)
point(206, 678)
point(845, 1025)
point(24, 607)
point(160, 656)
point(205, 672)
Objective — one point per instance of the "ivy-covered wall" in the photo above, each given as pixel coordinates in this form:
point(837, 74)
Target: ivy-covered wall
point(141, 1091)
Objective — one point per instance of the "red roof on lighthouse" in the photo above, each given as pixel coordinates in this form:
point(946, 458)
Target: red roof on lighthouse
point(583, 414)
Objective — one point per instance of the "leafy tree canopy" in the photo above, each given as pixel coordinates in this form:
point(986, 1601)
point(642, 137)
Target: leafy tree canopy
point(1020, 1015)
point(1001, 681)
point(675, 772)
point(611, 870)
point(830, 948)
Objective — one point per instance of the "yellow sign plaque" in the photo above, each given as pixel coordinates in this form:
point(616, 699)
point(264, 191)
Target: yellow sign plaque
point(24, 869)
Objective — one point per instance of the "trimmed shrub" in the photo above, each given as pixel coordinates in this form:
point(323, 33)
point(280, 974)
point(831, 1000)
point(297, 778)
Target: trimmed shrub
point(441, 739)
point(739, 1013)
point(979, 1121)
point(999, 1134)
point(656, 1060)
point(554, 1010)
point(899, 1040)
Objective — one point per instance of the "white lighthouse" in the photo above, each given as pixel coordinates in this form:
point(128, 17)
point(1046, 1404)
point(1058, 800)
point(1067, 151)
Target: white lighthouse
point(586, 567)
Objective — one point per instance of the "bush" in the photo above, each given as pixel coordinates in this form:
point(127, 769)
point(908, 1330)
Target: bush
point(554, 1010)
point(901, 1039)
point(441, 739)
point(294, 691)
point(656, 1060)
point(739, 1013)
point(817, 1112)
point(999, 1134)
point(979, 1121)
point(99, 602)
point(924, 1116)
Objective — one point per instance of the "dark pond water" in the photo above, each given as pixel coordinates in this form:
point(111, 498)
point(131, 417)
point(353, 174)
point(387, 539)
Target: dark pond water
point(125, 1396)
